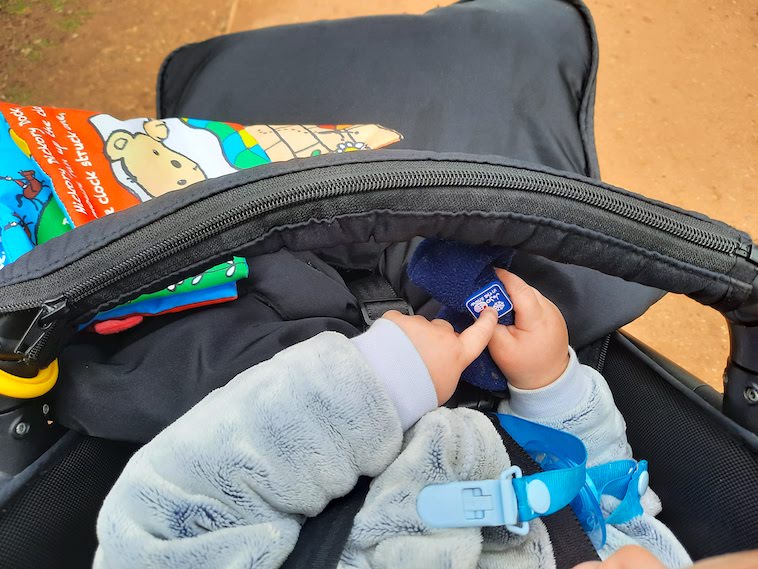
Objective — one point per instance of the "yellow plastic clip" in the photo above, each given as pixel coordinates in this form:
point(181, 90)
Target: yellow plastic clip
point(29, 387)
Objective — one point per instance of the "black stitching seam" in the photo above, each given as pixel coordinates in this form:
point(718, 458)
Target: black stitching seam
point(105, 238)
point(741, 289)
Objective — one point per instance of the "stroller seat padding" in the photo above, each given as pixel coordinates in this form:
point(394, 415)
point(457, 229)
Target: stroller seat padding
point(508, 78)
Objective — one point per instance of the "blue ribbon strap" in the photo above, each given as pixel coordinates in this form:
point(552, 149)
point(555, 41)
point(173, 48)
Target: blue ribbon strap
point(546, 492)
point(626, 480)
point(513, 500)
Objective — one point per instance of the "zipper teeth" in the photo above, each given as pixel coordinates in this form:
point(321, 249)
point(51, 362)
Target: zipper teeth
point(603, 353)
point(38, 347)
point(578, 191)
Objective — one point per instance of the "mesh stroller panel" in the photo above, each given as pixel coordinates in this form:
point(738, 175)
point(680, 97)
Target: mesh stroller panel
point(51, 522)
point(703, 473)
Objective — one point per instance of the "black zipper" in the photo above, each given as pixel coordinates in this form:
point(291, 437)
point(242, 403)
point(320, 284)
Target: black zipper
point(394, 175)
point(603, 353)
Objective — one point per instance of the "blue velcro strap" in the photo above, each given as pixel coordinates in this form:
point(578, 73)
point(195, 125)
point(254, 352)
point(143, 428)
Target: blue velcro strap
point(451, 271)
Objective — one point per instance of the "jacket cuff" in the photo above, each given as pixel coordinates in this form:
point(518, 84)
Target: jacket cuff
point(558, 398)
point(400, 369)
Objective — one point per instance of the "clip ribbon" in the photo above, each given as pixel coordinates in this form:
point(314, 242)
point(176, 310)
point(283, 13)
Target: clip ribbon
point(513, 499)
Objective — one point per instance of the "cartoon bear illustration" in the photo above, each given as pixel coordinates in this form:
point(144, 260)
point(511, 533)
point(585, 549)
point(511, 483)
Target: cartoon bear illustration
point(149, 162)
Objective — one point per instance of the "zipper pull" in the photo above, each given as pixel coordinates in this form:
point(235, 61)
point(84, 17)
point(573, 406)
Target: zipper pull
point(753, 257)
point(748, 251)
point(49, 312)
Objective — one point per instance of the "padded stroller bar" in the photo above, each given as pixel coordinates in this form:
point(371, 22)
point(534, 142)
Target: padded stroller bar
point(387, 197)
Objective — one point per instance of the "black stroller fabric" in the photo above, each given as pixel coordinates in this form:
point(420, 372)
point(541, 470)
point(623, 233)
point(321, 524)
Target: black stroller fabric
point(49, 522)
point(490, 77)
point(512, 78)
point(702, 470)
point(506, 78)
point(139, 381)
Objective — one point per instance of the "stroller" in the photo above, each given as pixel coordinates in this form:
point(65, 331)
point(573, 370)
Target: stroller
point(494, 100)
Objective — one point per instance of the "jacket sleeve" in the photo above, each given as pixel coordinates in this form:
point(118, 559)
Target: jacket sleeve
point(581, 403)
point(230, 482)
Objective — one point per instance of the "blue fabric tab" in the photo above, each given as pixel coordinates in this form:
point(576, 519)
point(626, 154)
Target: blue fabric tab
point(166, 303)
point(634, 487)
point(452, 272)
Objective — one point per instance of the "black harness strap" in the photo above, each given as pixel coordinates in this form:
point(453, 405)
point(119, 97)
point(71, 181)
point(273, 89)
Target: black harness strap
point(571, 545)
point(323, 537)
point(375, 297)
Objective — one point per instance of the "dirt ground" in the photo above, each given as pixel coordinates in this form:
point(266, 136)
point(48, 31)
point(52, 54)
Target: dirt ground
point(676, 118)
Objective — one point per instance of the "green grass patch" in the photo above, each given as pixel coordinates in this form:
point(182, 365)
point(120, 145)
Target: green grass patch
point(72, 22)
point(57, 5)
point(14, 7)
point(36, 50)
point(18, 94)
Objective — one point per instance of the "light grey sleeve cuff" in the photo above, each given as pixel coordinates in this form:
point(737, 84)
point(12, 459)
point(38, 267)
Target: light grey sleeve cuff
point(399, 367)
point(558, 398)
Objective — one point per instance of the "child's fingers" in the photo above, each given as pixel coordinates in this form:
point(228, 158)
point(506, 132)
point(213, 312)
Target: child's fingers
point(500, 339)
point(526, 302)
point(393, 315)
point(476, 337)
point(443, 324)
point(629, 557)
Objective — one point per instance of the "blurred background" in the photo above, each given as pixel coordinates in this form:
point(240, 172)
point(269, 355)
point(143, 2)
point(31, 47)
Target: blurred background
point(676, 116)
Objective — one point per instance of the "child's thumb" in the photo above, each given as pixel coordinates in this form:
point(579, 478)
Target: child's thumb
point(476, 337)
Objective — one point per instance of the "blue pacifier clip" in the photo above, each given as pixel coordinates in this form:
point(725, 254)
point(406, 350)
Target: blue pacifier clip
point(513, 499)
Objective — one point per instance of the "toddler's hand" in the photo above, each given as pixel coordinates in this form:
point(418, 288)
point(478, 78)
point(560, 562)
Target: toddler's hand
point(445, 352)
point(534, 351)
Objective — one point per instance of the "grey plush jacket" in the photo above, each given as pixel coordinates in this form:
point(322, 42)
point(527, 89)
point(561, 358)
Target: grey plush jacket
point(229, 483)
